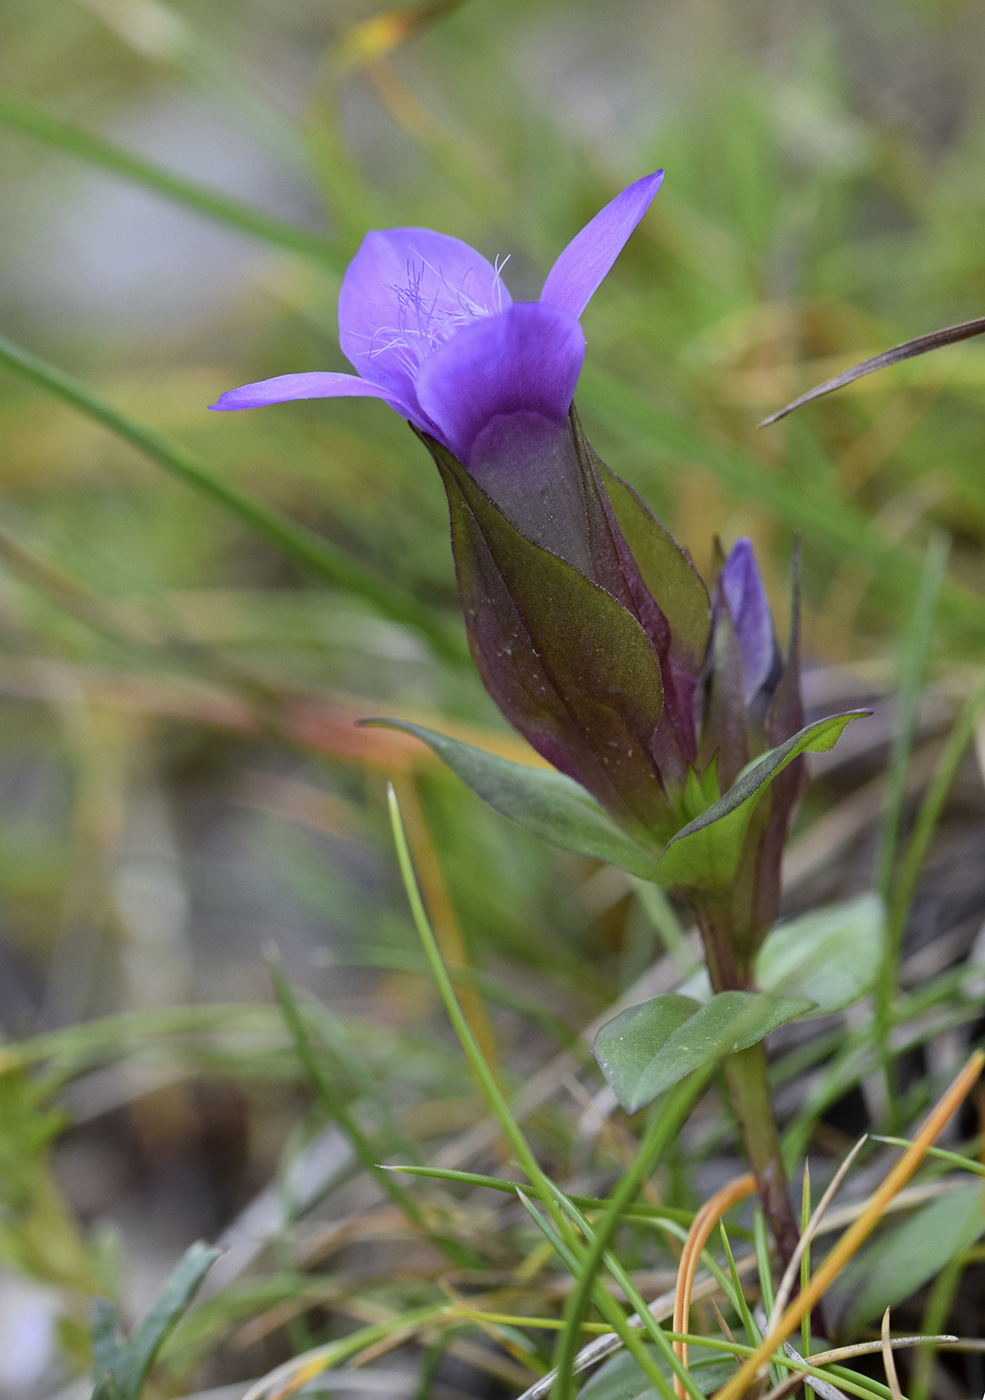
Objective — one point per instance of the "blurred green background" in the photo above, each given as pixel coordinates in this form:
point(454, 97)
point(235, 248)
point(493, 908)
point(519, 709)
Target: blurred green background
point(182, 785)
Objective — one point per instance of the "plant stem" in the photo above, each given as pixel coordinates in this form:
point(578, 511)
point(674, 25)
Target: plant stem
point(748, 1083)
point(748, 1087)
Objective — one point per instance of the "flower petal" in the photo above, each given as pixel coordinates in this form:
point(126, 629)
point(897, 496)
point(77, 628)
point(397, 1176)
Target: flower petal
point(526, 360)
point(745, 593)
point(405, 293)
point(315, 385)
point(574, 278)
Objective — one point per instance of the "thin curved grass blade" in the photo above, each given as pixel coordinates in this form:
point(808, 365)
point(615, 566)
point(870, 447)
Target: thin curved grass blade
point(933, 340)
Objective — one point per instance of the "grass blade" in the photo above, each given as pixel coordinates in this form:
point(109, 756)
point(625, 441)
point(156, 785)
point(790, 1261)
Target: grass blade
point(325, 1089)
point(858, 1233)
point(912, 671)
point(299, 543)
point(904, 885)
point(28, 117)
point(933, 340)
point(663, 1126)
point(488, 1083)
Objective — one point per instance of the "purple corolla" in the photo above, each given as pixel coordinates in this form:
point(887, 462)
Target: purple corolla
point(430, 328)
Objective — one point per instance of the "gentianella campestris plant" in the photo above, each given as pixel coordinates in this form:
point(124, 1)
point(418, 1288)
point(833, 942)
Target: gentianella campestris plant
point(673, 718)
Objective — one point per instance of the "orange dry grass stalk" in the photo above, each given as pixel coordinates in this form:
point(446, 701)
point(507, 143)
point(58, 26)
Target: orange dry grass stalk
point(697, 1237)
point(857, 1233)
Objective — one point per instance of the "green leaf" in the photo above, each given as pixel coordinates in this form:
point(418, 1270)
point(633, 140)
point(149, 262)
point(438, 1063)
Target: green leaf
point(830, 955)
point(106, 1349)
point(551, 805)
point(647, 1048)
point(705, 855)
point(622, 1378)
point(120, 1370)
point(906, 1257)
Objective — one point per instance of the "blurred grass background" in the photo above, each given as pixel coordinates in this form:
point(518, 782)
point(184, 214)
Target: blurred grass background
point(182, 786)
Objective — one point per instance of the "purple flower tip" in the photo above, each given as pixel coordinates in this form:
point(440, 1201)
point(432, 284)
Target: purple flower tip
point(742, 585)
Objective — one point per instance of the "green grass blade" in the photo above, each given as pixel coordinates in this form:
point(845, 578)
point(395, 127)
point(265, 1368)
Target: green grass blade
point(663, 1126)
point(574, 1260)
point(300, 544)
point(953, 1159)
point(333, 1101)
point(940, 1301)
point(174, 45)
point(569, 1252)
point(564, 1369)
point(20, 114)
point(742, 1307)
point(912, 670)
point(905, 883)
point(805, 1263)
point(633, 1211)
point(488, 1083)
point(137, 1356)
point(911, 677)
point(763, 1263)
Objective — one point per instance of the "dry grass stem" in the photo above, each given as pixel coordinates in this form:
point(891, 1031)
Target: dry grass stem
point(790, 1273)
point(892, 1379)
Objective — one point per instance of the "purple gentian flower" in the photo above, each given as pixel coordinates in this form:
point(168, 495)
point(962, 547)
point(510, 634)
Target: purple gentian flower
point(430, 328)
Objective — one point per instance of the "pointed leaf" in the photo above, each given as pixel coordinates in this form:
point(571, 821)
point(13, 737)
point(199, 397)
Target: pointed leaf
point(706, 854)
point(568, 665)
point(104, 1337)
point(544, 801)
point(725, 719)
point(831, 956)
point(647, 1048)
point(136, 1356)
